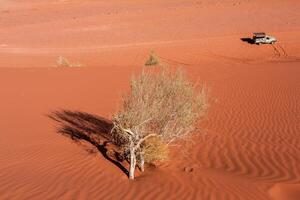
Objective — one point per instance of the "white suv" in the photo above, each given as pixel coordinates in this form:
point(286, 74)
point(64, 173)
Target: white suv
point(262, 38)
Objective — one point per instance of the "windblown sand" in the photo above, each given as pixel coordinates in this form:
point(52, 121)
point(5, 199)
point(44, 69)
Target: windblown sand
point(247, 148)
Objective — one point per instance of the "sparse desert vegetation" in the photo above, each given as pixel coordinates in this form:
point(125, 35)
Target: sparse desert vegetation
point(245, 147)
point(64, 62)
point(161, 107)
point(153, 60)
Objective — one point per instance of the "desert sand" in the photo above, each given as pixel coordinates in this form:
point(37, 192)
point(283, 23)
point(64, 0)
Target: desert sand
point(247, 148)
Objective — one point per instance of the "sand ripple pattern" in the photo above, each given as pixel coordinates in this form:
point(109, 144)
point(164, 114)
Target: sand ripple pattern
point(249, 143)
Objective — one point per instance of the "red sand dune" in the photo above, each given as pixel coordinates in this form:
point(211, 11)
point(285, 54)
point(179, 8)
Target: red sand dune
point(249, 146)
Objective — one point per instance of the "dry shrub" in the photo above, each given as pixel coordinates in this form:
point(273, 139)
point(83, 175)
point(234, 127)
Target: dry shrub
point(64, 62)
point(162, 102)
point(162, 107)
point(152, 60)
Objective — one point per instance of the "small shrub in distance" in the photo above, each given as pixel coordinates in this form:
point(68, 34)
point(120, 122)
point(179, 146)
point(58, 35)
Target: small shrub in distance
point(152, 60)
point(63, 62)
